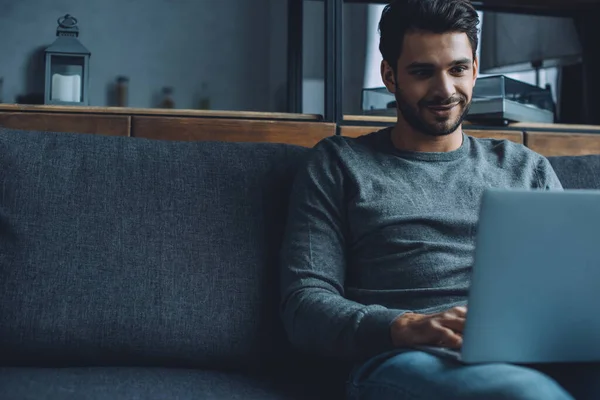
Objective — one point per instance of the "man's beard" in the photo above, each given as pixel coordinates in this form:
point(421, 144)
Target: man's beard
point(443, 126)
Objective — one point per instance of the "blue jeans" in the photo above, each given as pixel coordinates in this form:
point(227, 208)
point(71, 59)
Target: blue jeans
point(408, 374)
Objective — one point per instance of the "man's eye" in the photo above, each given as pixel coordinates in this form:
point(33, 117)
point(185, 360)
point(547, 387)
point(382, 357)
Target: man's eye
point(459, 70)
point(421, 73)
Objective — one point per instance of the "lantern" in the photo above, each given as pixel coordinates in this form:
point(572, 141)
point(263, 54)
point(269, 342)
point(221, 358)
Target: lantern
point(67, 66)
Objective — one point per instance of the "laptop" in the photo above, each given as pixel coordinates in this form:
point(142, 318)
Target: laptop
point(535, 285)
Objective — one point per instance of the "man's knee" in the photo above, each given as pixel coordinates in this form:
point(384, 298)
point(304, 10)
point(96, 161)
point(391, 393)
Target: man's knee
point(418, 375)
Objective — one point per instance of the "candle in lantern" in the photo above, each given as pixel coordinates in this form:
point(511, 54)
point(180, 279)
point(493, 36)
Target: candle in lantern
point(66, 88)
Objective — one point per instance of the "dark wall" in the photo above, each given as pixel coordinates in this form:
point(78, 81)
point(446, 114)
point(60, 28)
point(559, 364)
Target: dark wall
point(236, 49)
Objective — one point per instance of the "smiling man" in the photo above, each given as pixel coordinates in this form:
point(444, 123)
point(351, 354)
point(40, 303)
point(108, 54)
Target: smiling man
point(379, 243)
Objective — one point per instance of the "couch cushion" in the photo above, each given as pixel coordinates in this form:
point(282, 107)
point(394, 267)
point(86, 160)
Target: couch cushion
point(577, 172)
point(126, 251)
point(140, 383)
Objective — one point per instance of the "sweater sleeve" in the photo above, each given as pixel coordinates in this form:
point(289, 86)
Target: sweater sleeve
point(546, 177)
point(316, 315)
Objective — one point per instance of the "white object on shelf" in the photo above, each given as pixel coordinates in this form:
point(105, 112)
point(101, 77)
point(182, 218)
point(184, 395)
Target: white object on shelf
point(66, 88)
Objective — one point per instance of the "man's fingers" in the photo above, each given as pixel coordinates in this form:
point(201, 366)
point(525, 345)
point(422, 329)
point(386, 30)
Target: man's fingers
point(459, 311)
point(449, 339)
point(456, 324)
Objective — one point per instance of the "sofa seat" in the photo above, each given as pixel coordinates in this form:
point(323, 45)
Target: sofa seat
point(115, 383)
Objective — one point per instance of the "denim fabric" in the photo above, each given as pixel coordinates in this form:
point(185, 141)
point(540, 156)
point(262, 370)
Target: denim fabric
point(138, 384)
point(416, 375)
point(122, 251)
point(578, 172)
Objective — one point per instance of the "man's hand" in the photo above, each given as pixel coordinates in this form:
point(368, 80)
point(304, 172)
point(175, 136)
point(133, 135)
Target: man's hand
point(443, 329)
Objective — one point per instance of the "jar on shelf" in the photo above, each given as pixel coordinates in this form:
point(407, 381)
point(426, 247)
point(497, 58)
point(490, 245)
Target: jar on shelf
point(167, 101)
point(204, 103)
point(122, 91)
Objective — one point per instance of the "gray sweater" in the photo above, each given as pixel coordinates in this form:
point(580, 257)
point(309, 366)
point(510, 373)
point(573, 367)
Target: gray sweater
point(374, 232)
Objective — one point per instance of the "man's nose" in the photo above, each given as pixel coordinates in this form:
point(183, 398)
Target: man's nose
point(444, 86)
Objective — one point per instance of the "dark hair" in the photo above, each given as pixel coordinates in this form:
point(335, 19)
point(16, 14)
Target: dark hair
point(437, 16)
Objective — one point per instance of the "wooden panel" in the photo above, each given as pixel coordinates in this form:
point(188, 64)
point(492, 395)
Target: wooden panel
point(230, 130)
point(555, 127)
point(563, 144)
point(371, 118)
point(158, 111)
point(515, 136)
point(112, 125)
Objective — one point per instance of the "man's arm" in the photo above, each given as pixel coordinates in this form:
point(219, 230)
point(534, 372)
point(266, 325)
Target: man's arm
point(546, 176)
point(316, 315)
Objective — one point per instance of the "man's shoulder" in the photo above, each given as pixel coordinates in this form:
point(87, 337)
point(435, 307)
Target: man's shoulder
point(505, 149)
point(362, 139)
point(339, 144)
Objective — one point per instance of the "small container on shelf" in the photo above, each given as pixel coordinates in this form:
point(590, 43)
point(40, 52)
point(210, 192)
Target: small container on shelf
point(122, 91)
point(167, 101)
point(204, 102)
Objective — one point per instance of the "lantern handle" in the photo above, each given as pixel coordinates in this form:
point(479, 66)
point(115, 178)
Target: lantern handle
point(61, 21)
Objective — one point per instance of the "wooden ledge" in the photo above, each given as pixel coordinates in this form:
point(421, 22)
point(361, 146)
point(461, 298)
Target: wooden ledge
point(159, 112)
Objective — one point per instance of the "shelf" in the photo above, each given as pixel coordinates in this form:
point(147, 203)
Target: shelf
point(532, 126)
point(160, 112)
point(369, 118)
point(378, 121)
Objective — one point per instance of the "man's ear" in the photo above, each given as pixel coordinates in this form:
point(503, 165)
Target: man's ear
point(475, 70)
point(388, 76)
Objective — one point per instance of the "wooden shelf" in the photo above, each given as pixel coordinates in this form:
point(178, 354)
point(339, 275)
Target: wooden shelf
point(562, 127)
point(159, 112)
point(556, 144)
point(369, 118)
point(192, 125)
point(181, 125)
point(373, 120)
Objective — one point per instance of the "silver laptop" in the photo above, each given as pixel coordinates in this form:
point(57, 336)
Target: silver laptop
point(535, 287)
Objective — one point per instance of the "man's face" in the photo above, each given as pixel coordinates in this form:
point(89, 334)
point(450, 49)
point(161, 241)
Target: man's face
point(434, 81)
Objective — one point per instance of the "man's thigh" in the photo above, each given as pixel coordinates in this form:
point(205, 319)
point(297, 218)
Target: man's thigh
point(419, 375)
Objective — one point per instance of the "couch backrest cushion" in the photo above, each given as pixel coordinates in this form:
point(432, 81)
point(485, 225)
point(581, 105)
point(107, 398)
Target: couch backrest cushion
point(134, 251)
point(577, 172)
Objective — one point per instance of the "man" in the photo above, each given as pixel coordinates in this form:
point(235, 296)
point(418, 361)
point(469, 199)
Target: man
point(380, 236)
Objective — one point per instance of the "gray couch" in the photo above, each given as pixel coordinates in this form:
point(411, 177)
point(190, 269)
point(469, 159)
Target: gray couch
point(139, 269)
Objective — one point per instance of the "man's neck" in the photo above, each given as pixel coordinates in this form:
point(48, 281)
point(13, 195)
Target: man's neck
point(407, 139)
